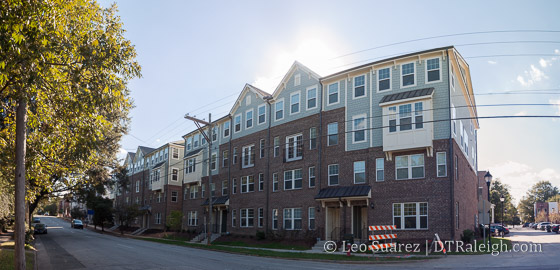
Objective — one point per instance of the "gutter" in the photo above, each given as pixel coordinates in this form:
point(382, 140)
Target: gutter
point(267, 188)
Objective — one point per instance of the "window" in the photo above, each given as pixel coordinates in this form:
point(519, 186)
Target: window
point(175, 153)
point(247, 218)
point(249, 119)
point(359, 127)
point(189, 146)
point(407, 75)
point(213, 161)
point(202, 190)
point(225, 158)
point(233, 218)
point(225, 186)
point(405, 120)
point(333, 174)
point(275, 219)
point(234, 155)
point(380, 169)
point(248, 156)
point(137, 200)
point(292, 179)
point(247, 184)
point(410, 215)
point(185, 194)
point(226, 129)
point(158, 197)
point(384, 79)
point(193, 218)
point(191, 165)
point(214, 134)
point(432, 70)
point(263, 147)
point(292, 219)
point(260, 221)
point(234, 186)
point(456, 215)
point(392, 119)
point(294, 147)
point(213, 190)
point(418, 115)
point(158, 218)
point(276, 146)
point(294, 103)
point(174, 195)
point(312, 98)
point(203, 140)
point(359, 172)
point(174, 174)
point(261, 181)
point(312, 138)
point(261, 114)
point(311, 217)
point(332, 131)
point(196, 139)
point(360, 86)
point(297, 79)
point(279, 110)
point(311, 177)
point(333, 94)
point(137, 186)
point(405, 117)
point(275, 182)
point(194, 192)
point(237, 123)
point(441, 164)
point(410, 167)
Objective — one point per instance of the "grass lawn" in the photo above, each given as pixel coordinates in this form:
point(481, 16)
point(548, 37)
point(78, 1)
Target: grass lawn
point(7, 259)
point(264, 245)
point(286, 255)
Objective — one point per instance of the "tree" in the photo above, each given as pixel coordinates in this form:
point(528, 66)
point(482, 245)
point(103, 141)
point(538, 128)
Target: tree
point(77, 213)
point(539, 192)
point(125, 215)
point(497, 190)
point(63, 85)
point(102, 212)
point(175, 220)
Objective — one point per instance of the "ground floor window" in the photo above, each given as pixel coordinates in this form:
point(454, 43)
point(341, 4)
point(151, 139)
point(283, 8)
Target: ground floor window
point(292, 219)
point(410, 215)
point(311, 217)
point(275, 219)
point(158, 218)
point(261, 217)
point(247, 217)
point(193, 218)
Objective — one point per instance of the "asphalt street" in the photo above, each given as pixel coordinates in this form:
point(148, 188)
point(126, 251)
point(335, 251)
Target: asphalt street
point(67, 248)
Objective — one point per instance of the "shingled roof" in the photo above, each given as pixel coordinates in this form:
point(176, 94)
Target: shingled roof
point(219, 200)
point(408, 94)
point(339, 192)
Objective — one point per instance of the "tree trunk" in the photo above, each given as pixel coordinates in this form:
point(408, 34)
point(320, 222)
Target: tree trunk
point(21, 137)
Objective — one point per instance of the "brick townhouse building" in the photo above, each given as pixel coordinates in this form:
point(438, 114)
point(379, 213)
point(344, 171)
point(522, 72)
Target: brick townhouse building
point(155, 182)
point(389, 142)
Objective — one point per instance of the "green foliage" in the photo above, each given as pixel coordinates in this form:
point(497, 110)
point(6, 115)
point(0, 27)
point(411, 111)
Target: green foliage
point(175, 220)
point(51, 208)
point(261, 235)
point(126, 214)
point(102, 211)
point(77, 213)
point(497, 190)
point(467, 236)
point(539, 192)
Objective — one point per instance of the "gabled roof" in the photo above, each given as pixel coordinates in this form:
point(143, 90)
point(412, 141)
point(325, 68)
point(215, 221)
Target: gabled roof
point(339, 192)
point(248, 88)
point(408, 94)
point(295, 66)
point(145, 149)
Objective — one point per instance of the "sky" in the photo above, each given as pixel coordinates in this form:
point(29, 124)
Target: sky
point(196, 56)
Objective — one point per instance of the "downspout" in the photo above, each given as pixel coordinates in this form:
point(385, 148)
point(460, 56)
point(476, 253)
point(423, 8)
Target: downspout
point(267, 187)
point(230, 156)
point(320, 146)
point(452, 167)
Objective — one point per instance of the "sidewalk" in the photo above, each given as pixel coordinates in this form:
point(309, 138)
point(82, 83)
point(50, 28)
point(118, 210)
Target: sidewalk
point(5, 237)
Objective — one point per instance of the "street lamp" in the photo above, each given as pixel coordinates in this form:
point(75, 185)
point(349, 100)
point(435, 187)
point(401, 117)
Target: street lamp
point(488, 179)
point(502, 199)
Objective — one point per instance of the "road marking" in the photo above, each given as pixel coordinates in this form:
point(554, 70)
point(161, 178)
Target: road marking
point(125, 246)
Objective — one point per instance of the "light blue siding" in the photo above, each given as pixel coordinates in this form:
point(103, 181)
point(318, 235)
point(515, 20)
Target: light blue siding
point(306, 81)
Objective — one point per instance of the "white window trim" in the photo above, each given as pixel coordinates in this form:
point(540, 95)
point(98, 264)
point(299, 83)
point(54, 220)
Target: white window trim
point(354, 86)
point(275, 180)
point(364, 116)
point(329, 174)
point(437, 164)
point(246, 179)
point(426, 70)
point(338, 93)
point(415, 75)
point(293, 180)
point(390, 80)
point(251, 161)
point(216, 161)
point(233, 217)
point(417, 216)
point(173, 168)
point(337, 139)
point(224, 130)
point(283, 109)
point(297, 79)
point(240, 123)
point(309, 177)
point(309, 211)
point(299, 102)
point(354, 171)
point(260, 215)
point(246, 218)
point(376, 170)
point(293, 219)
point(410, 168)
point(258, 115)
point(307, 97)
point(295, 136)
point(252, 118)
point(272, 219)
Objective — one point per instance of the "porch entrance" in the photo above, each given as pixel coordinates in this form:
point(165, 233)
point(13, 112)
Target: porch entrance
point(332, 226)
point(359, 223)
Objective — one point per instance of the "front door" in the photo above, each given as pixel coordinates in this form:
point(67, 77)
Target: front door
point(359, 222)
point(332, 226)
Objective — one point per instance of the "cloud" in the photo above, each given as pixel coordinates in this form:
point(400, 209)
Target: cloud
point(531, 76)
point(492, 62)
point(557, 51)
point(544, 63)
point(521, 113)
point(520, 177)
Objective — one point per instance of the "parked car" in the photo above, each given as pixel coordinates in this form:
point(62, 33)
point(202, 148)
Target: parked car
point(498, 229)
point(36, 220)
point(549, 227)
point(555, 228)
point(527, 224)
point(77, 224)
point(40, 228)
point(535, 225)
point(542, 225)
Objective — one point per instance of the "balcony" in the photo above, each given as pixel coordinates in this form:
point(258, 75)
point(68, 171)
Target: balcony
point(157, 185)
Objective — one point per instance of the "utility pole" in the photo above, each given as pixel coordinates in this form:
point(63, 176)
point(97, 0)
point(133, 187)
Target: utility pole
point(208, 137)
point(21, 137)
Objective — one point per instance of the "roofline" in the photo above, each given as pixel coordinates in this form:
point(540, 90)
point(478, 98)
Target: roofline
point(213, 122)
point(385, 60)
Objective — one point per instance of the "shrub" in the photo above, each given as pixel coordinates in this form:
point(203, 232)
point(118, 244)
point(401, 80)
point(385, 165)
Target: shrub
point(467, 236)
point(260, 235)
